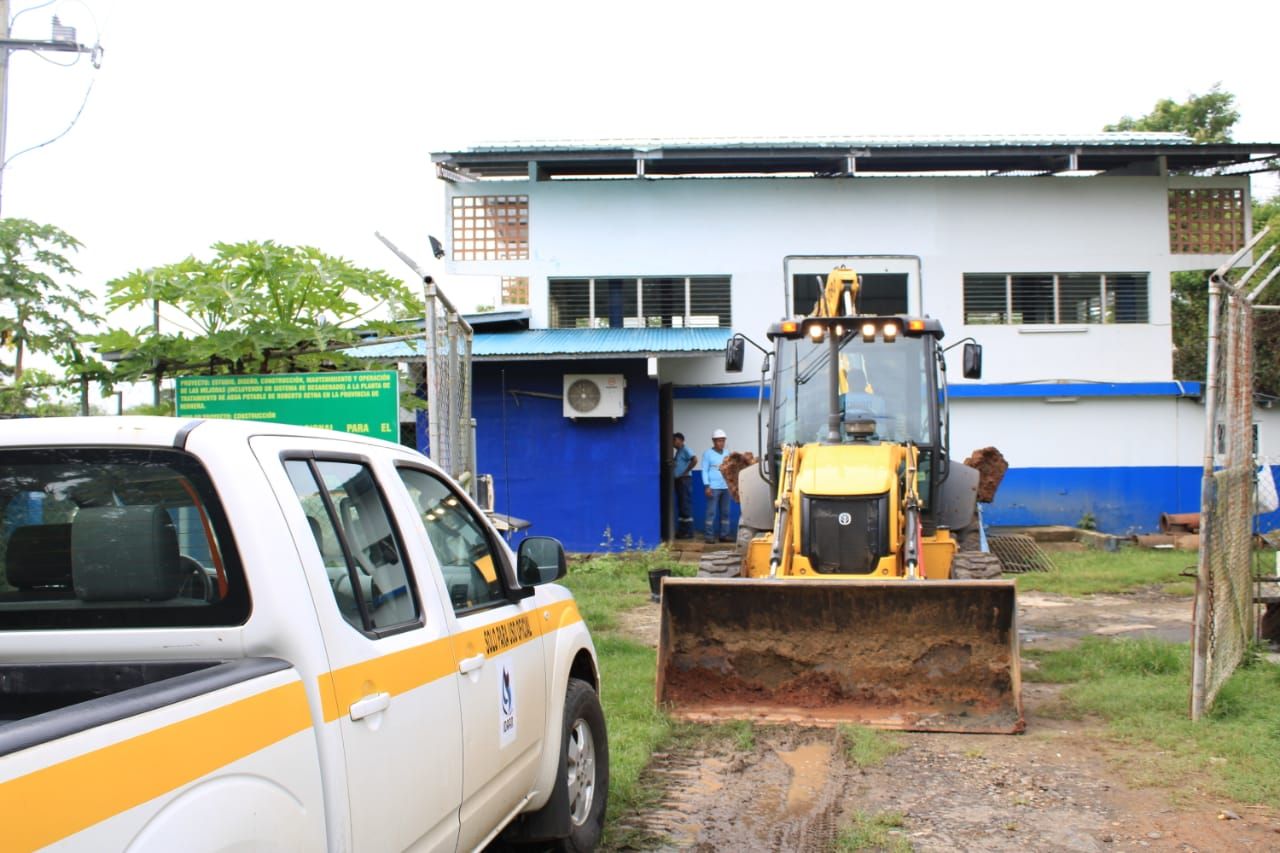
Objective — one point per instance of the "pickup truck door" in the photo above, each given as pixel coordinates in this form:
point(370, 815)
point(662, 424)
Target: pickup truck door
point(392, 688)
point(498, 647)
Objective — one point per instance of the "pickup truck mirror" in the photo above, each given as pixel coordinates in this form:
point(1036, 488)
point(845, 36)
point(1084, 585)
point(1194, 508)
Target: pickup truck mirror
point(540, 560)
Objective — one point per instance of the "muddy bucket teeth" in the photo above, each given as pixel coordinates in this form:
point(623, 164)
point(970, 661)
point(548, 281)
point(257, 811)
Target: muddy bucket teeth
point(914, 655)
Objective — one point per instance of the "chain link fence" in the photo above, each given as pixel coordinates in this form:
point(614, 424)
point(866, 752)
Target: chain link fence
point(448, 382)
point(1224, 610)
point(445, 375)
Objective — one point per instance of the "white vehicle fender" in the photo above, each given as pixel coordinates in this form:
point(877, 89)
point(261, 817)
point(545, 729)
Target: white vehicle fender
point(266, 817)
point(569, 654)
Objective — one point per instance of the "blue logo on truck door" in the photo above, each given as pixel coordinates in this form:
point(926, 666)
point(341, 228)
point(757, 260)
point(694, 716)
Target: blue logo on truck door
point(507, 704)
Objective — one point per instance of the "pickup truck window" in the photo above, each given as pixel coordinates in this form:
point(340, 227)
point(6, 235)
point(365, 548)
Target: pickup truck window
point(362, 554)
point(98, 538)
point(467, 557)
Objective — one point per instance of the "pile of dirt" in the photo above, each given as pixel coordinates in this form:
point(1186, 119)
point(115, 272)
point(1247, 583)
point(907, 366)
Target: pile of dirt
point(991, 466)
point(732, 466)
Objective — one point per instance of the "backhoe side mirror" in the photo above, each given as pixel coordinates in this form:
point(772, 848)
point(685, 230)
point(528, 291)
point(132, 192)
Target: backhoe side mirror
point(972, 361)
point(734, 355)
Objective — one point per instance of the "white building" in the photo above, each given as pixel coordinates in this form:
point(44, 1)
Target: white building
point(1055, 254)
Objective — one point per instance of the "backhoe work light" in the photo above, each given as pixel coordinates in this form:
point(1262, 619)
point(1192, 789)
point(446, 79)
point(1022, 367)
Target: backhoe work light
point(815, 332)
point(868, 331)
point(890, 331)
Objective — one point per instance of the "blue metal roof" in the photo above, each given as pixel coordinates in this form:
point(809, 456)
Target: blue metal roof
point(546, 344)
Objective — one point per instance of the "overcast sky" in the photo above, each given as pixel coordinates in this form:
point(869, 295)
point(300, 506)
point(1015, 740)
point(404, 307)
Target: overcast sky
point(313, 122)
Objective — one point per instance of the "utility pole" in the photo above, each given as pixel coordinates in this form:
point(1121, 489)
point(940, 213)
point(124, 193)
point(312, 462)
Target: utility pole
point(61, 40)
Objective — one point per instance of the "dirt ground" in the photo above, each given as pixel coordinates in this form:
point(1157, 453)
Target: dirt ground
point(1058, 787)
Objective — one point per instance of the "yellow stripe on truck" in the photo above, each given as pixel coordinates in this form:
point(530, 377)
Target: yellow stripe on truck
point(411, 668)
point(70, 796)
point(394, 673)
point(63, 799)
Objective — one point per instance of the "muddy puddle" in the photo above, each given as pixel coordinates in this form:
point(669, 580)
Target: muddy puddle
point(786, 794)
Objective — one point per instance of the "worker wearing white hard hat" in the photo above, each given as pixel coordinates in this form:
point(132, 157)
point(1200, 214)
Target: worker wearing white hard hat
point(717, 490)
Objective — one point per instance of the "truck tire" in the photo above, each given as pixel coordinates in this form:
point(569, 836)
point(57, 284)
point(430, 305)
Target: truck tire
point(720, 564)
point(584, 769)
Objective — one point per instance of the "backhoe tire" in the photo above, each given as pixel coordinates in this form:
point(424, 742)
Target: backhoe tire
point(720, 564)
point(745, 534)
point(975, 565)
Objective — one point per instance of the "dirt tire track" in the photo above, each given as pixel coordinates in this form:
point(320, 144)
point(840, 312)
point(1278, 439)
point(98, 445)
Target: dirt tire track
point(1057, 788)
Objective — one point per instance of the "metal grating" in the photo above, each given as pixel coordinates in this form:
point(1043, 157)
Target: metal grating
point(1019, 553)
point(1206, 221)
point(515, 290)
point(490, 227)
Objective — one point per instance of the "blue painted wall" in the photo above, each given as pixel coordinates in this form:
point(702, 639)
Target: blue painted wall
point(591, 483)
point(1123, 501)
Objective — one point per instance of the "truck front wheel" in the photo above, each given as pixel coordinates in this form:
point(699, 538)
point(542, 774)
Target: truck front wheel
point(585, 771)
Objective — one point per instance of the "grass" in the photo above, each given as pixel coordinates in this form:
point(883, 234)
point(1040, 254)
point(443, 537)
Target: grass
point(1091, 572)
point(867, 747)
point(1141, 688)
point(874, 832)
point(604, 586)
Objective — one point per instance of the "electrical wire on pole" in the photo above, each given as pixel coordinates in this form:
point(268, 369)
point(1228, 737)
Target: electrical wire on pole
point(62, 40)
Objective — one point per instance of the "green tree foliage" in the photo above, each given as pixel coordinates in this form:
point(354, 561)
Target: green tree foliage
point(1210, 118)
point(39, 312)
point(255, 307)
point(1205, 118)
point(1190, 313)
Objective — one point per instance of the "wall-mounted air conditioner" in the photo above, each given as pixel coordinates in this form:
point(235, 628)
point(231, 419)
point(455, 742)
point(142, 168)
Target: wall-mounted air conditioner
point(594, 395)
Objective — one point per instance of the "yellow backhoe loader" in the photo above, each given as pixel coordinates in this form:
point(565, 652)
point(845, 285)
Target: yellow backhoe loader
point(850, 601)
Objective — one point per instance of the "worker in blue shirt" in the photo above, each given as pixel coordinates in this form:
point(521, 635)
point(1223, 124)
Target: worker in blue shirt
point(717, 489)
point(682, 466)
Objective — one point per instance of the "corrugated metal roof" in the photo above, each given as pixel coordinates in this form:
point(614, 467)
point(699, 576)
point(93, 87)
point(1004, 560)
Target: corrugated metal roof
point(842, 142)
point(851, 156)
point(567, 343)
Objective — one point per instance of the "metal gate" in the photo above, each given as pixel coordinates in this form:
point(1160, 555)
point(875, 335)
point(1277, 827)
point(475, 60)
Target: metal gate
point(1224, 613)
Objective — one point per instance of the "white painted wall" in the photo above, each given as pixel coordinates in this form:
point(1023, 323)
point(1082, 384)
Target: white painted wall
point(745, 227)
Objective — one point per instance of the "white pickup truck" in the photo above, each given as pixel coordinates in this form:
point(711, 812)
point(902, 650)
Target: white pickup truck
point(221, 635)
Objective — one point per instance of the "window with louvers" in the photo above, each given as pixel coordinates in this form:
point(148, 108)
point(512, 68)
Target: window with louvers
point(1025, 299)
point(640, 302)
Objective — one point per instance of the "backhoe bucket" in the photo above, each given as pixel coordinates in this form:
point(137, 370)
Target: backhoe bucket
point(916, 655)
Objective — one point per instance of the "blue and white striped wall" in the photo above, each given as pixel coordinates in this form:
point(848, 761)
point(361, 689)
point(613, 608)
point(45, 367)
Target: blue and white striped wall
point(1118, 453)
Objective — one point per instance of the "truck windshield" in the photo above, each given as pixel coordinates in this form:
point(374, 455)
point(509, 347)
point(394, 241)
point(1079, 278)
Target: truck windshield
point(888, 383)
point(113, 538)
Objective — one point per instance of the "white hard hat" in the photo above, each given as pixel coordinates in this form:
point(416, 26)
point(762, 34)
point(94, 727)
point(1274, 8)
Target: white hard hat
point(718, 434)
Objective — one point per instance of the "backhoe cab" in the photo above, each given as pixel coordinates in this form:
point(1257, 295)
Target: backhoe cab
point(850, 612)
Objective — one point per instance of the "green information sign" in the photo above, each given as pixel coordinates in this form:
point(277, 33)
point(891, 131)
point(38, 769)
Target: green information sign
point(364, 402)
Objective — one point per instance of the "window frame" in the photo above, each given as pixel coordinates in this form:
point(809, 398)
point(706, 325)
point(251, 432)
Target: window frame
point(489, 227)
point(588, 313)
point(232, 611)
point(1109, 284)
point(511, 594)
point(312, 458)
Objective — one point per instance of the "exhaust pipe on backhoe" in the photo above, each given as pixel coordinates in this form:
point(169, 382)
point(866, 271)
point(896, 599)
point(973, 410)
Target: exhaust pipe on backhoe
point(920, 656)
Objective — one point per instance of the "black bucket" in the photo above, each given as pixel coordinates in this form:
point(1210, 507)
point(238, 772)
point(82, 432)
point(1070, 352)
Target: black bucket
point(655, 582)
